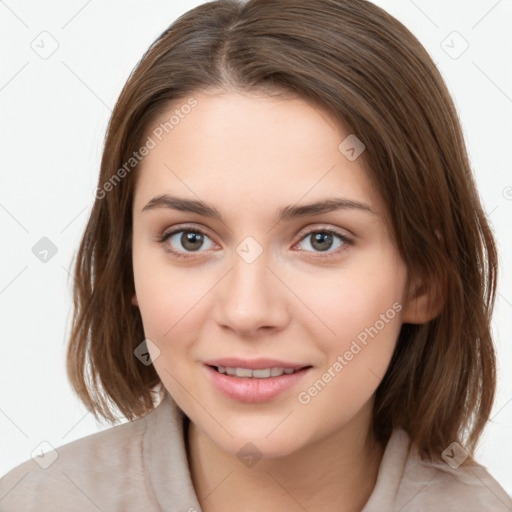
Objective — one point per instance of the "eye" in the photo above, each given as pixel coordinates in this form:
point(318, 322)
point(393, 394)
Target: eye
point(190, 240)
point(322, 240)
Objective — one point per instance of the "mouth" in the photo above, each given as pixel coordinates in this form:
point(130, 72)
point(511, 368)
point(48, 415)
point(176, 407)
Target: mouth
point(250, 385)
point(261, 373)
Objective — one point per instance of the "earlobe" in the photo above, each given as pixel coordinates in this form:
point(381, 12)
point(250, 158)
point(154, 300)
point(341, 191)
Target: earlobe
point(134, 300)
point(422, 304)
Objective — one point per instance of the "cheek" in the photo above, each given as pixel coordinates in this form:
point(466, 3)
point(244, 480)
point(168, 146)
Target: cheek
point(363, 312)
point(366, 318)
point(168, 308)
point(166, 295)
point(355, 303)
point(169, 318)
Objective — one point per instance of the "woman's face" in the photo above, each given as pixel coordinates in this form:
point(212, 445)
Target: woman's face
point(253, 283)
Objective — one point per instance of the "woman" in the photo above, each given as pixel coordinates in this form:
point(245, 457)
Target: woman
point(288, 246)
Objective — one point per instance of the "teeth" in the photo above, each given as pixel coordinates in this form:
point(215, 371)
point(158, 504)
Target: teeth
point(243, 372)
point(259, 374)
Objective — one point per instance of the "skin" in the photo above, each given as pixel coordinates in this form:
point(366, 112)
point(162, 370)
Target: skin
point(249, 155)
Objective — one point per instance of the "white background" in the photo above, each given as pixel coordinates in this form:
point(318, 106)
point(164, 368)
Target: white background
point(54, 114)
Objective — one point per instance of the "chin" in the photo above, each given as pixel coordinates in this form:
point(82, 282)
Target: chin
point(257, 447)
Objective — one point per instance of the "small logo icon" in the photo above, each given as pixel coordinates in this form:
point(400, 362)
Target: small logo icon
point(147, 352)
point(351, 147)
point(249, 249)
point(454, 45)
point(249, 454)
point(454, 455)
point(44, 454)
point(44, 250)
point(45, 45)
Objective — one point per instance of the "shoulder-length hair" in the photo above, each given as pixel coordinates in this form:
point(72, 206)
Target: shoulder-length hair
point(376, 78)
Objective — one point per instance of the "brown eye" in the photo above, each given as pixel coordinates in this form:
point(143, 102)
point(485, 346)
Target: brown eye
point(322, 240)
point(191, 240)
point(182, 241)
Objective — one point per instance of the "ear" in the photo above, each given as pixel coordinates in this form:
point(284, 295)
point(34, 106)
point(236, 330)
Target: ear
point(134, 300)
point(423, 302)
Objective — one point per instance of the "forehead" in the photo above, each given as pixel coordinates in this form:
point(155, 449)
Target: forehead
point(249, 148)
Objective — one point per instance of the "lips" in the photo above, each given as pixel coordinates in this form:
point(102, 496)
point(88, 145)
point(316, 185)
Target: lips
point(251, 389)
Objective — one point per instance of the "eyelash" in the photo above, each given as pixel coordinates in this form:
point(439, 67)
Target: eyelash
point(346, 240)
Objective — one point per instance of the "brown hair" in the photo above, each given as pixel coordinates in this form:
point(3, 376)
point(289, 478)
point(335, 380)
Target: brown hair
point(372, 74)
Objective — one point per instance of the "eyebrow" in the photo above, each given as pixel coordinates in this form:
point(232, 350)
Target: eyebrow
point(287, 212)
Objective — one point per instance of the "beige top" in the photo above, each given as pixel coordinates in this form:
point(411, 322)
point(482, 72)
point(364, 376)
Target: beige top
point(141, 466)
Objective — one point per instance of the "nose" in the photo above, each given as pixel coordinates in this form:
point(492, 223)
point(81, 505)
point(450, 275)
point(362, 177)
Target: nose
point(251, 299)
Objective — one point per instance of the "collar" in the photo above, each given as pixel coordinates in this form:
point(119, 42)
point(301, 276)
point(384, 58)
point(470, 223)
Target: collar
point(165, 460)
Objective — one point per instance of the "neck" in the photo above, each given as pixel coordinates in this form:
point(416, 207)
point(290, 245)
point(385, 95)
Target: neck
point(337, 473)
